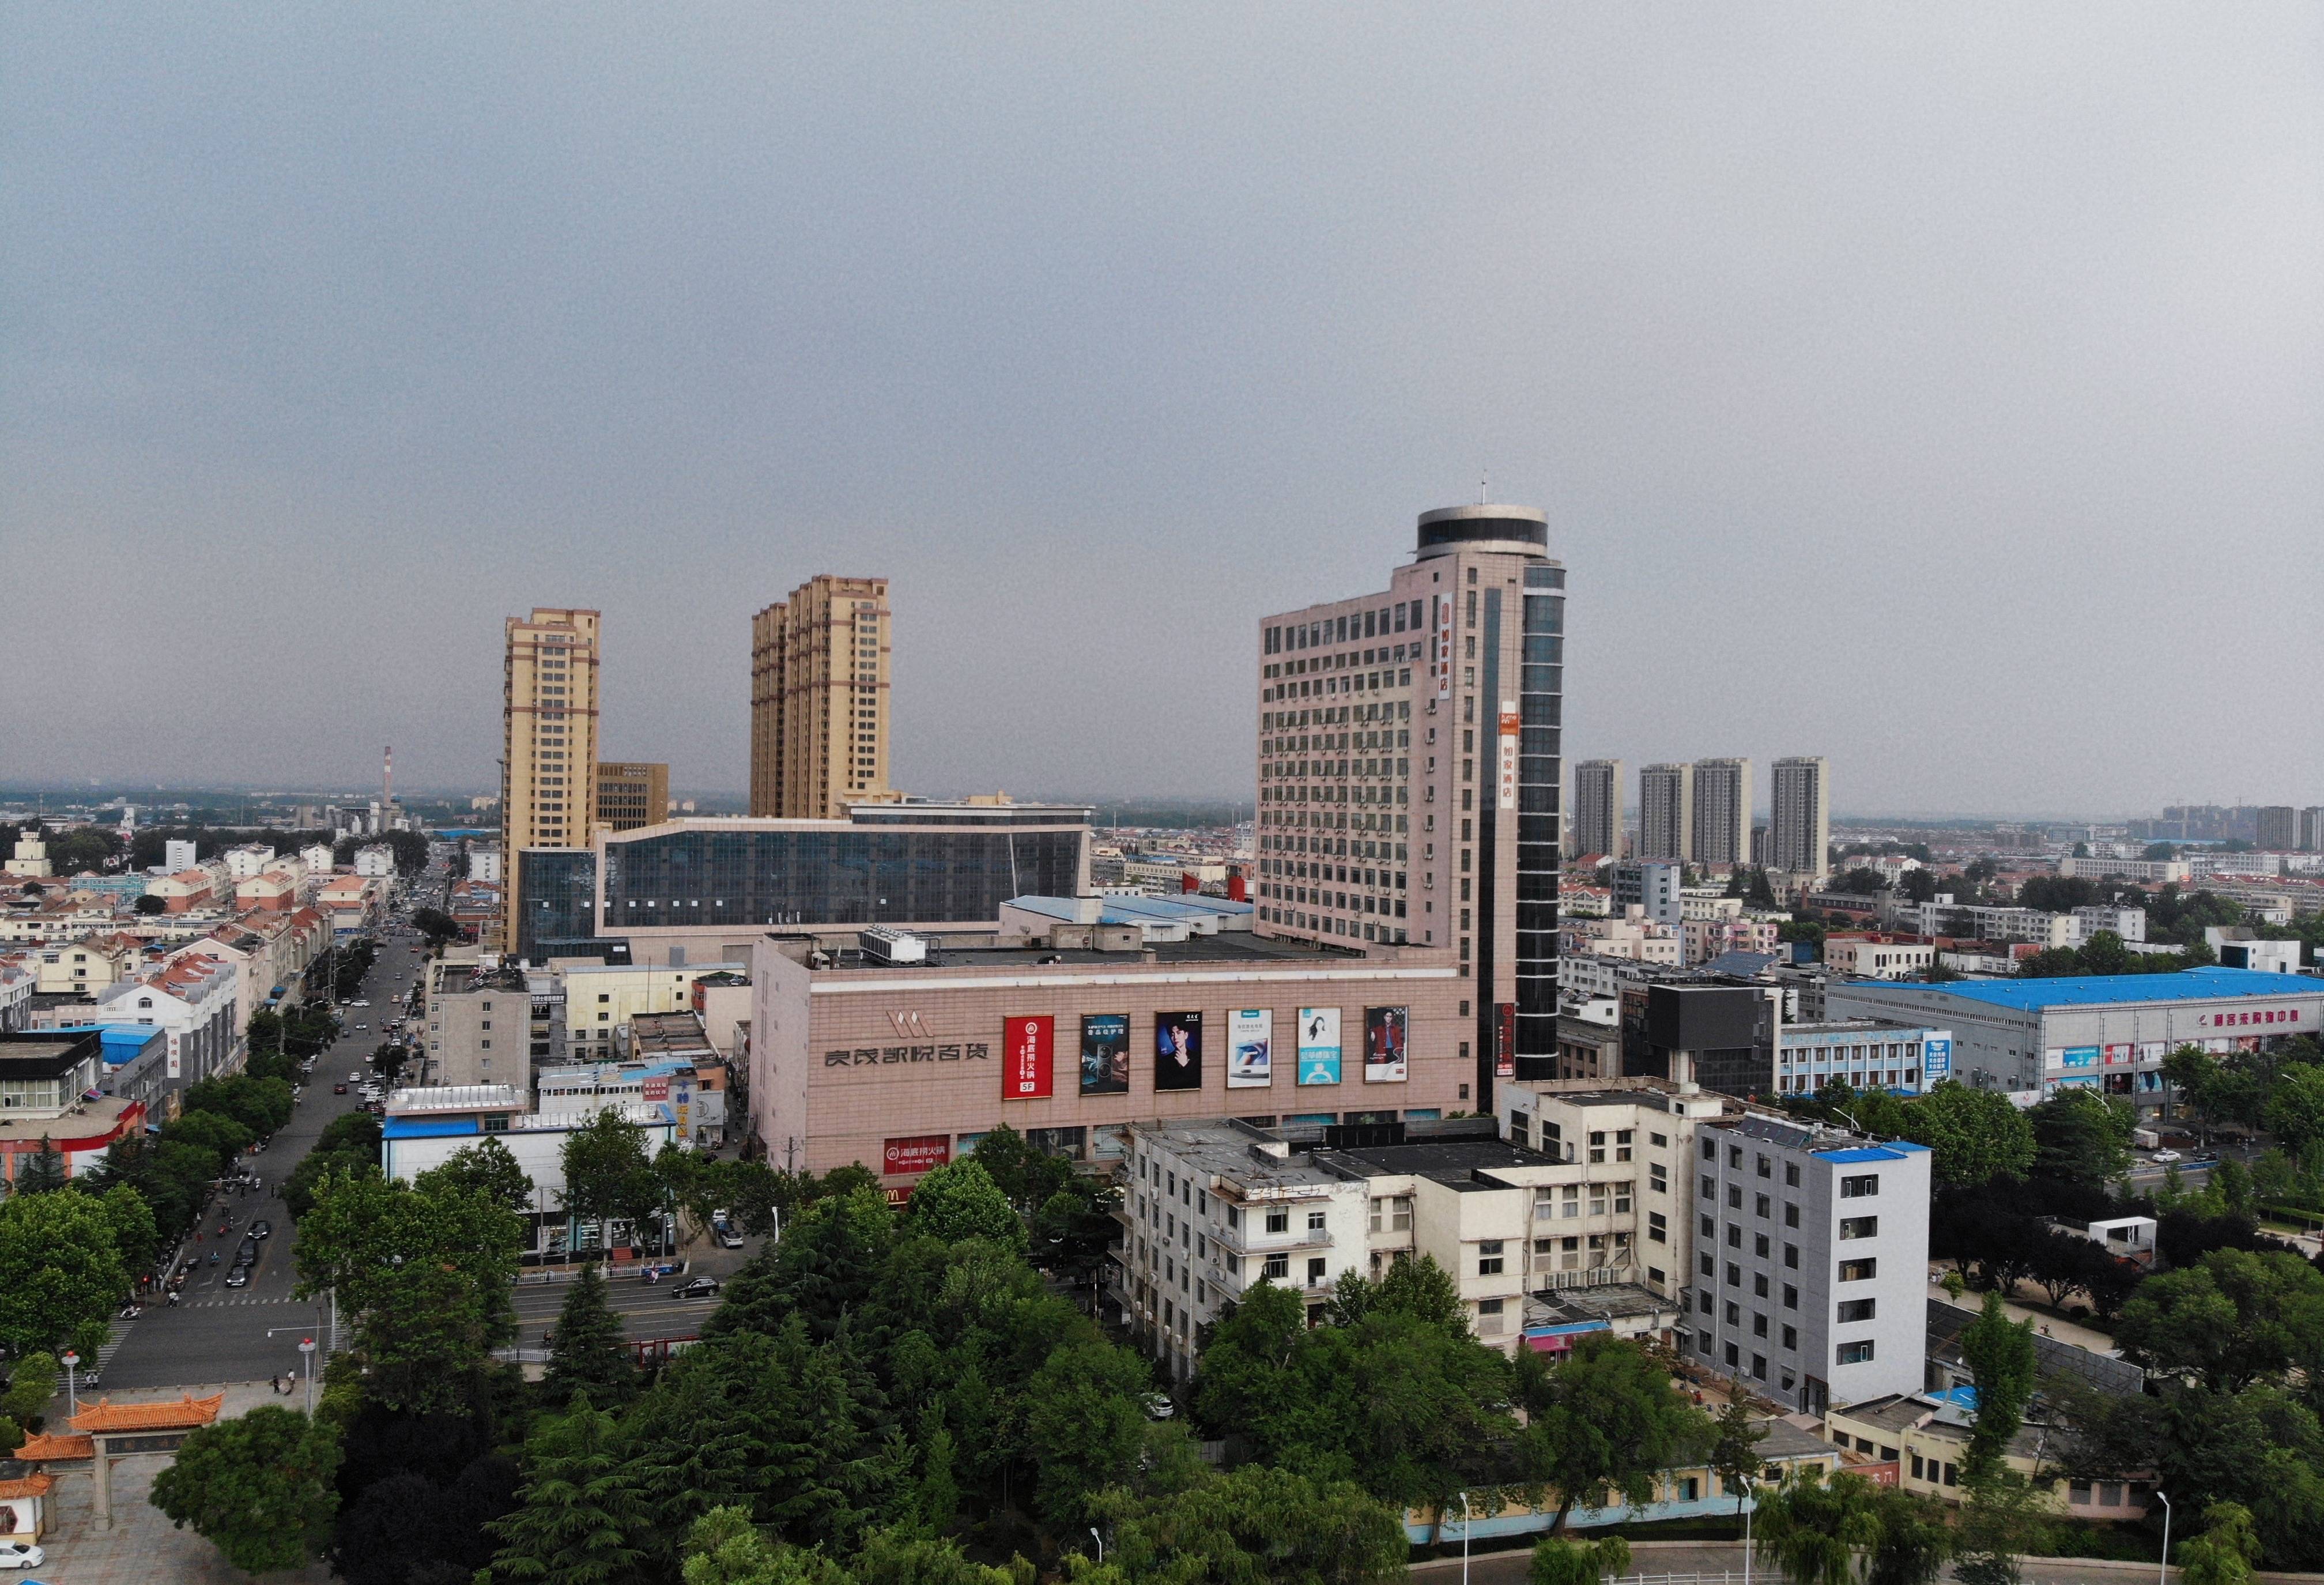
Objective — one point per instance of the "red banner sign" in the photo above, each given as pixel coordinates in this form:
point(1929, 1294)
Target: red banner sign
point(920, 1153)
point(1504, 1046)
point(1027, 1046)
point(658, 1088)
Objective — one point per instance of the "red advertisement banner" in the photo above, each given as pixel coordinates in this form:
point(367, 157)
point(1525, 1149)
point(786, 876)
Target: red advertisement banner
point(918, 1154)
point(1026, 1045)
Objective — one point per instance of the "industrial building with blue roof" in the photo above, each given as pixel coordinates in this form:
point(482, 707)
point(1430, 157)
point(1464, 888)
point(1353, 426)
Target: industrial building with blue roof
point(2104, 1032)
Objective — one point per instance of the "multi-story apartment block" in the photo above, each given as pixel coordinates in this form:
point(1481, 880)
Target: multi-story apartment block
point(1799, 829)
point(1667, 813)
point(819, 702)
point(1810, 1260)
point(2311, 829)
point(475, 1026)
point(2278, 828)
point(1864, 1054)
point(1651, 886)
point(1875, 956)
point(1596, 824)
point(630, 793)
point(549, 759)
point(1721, 828)
point(1408, 769)
point(192, 1000)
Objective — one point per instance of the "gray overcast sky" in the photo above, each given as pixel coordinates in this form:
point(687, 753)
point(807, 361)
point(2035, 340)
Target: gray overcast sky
point(1939, 389)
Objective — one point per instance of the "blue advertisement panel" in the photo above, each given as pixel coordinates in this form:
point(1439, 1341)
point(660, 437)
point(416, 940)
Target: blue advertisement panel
point(1319, 1045)
point(2080, 1056)
point(1936, 1058)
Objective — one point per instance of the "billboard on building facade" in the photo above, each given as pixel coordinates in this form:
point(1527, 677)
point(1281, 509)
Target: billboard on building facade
point(1936, 1058)
point(1026, 1045)
point(1319, 1045)
point(917, 1153)
point(1178, 1051)
point(1105, 1053)
point(1251, 1049)
point(1384, 1050)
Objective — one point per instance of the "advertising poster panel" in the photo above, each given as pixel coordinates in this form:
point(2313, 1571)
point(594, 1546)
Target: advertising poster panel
point(1178, 1051)
point(917, 1153)
point(1319, 1045)
point(1936, 1059)
point(1027, 1046)
point(1251, 1042)
point(1505, 1040)
point(1105, 1053)
point(1511, 725)
point(1384, 1033)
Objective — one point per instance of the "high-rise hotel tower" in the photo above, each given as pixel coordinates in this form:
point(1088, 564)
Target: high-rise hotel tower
point(1408, 771)
point(549, 735)
point(819, 699)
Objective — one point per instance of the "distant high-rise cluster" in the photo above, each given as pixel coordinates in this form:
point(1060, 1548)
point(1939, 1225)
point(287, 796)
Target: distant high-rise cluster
point(819, 703)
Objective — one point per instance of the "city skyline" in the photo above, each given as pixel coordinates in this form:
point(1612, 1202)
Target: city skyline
point(1832, 370)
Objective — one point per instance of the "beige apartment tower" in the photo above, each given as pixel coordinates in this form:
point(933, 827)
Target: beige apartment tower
point(1722, 812)
point(819, 700)
point(1667, 813)
point(632, 793)
point(1799, 826)
point(549, 728)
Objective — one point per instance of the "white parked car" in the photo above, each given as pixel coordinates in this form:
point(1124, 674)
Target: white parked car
point(21, 1555)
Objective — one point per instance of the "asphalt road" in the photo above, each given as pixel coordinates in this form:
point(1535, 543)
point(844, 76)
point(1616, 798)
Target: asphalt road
point(646, 1310)
point(216, 1333)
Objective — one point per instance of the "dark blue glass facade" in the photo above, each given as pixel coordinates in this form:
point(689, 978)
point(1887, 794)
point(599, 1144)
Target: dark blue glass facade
point(847, 875)
point(557, 898)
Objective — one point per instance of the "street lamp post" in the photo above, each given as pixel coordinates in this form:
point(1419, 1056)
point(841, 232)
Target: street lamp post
point(306, 1352)
point(2162, 1574)
point(1101, 1545)
point(72, 1395)
point(1464, 1538)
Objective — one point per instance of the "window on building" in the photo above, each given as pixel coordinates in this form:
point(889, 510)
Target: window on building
point(1863, 1270)
point(1859, 1227)
point(1318, 1270)
point(1489, 1319)
point(1856, 1310)
point(1790, 1214)
point(1767, 1166)
point(1860, 1187)
point(1489, 1258)
point(1276, 1267)
point(1278, 1221)
point(1791, 1297)
point(1791, 1174)
point(1856, 1353)
point(1791, 1337)
point(1657, 1230)
point(1658, 1178)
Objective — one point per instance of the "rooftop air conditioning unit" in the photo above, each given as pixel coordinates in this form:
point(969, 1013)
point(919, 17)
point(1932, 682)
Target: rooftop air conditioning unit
point(891, 947)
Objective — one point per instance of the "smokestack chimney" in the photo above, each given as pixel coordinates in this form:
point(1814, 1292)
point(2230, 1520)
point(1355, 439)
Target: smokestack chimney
point(1236, 891)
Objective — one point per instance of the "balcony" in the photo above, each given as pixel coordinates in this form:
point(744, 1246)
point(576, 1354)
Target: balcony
point(1243, 1241)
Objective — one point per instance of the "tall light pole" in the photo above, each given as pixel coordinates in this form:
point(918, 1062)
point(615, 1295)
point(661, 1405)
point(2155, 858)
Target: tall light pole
point(1101, 1545)
point(2162, 1574)
point(72, 1395)
point(1464, 1538)
point(306, 1352)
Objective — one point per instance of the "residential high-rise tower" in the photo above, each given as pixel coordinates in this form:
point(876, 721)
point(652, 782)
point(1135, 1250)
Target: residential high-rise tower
point(1722, 812)
point(1595, 825)
point(1666, 812)
point(632, 793)
point(1799, 826)
point(819, 699)
point(1408, 771)
point(548, 728)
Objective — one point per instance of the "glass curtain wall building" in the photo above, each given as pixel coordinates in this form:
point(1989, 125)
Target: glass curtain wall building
point(888, 864)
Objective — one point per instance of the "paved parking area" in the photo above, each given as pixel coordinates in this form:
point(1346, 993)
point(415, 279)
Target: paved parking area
point(142, 1547)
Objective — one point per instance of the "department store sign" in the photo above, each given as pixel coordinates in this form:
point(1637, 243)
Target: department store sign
point(869, 1056)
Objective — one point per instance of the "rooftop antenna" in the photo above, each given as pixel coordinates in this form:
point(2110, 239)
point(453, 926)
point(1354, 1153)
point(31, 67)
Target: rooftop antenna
point(1481, 481)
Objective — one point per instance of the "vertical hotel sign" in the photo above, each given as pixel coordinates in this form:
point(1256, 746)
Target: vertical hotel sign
point(1508, 763)
point(1027, 1046)
point(1444, 646)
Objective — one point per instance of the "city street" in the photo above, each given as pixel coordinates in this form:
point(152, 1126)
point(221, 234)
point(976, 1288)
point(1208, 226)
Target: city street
point(216, 1333)
point(646, 1310)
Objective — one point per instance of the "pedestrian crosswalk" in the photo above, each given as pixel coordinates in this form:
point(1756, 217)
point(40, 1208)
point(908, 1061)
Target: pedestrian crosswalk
point(239, 1299)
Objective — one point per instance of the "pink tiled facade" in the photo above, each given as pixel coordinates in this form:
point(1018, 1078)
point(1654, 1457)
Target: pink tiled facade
point(901, 1067)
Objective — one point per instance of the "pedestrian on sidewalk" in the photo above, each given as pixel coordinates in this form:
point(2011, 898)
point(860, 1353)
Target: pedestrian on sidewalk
point(274, 1384)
